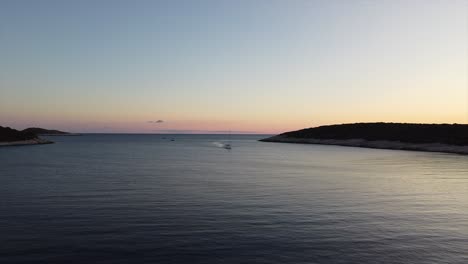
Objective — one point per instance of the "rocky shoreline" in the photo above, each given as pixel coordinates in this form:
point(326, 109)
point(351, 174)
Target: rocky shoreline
point(447, 138)
point(36, 141)
point(377, 144)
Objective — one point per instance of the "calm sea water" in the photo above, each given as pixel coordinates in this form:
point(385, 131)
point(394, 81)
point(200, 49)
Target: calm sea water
point(146, 199)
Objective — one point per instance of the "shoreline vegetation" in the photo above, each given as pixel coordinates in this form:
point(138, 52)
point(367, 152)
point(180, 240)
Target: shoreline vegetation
point(29, 136)
point(48, 132)
point(447, 138)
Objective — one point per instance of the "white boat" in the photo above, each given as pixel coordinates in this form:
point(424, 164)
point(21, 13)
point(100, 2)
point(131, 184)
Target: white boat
point(227, 146)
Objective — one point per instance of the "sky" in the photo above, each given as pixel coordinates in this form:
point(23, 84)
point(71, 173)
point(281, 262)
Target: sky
point(257, 66)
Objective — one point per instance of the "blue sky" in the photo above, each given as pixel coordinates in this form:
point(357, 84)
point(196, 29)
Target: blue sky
point(264, 66)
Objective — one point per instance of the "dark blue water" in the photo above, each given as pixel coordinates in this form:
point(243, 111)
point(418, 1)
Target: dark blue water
point(146, 199)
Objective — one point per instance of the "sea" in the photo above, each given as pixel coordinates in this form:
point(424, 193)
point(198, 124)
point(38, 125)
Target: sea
point(115, 198)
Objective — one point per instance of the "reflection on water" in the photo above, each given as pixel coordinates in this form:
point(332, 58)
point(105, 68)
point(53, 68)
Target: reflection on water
point(146, 199)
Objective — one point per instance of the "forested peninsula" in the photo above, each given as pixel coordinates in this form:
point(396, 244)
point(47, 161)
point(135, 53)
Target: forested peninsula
point(13, 137)
point(450, 138)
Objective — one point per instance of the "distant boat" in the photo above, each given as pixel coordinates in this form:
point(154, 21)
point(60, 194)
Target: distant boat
point(228, 145)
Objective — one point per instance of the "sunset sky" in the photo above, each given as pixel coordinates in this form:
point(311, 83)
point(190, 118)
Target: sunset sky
point(257, 66)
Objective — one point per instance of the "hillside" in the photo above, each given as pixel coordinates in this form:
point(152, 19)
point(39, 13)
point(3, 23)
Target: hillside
point(8, 135)
point(42, 131)
point(13, 137)
point(425, 137)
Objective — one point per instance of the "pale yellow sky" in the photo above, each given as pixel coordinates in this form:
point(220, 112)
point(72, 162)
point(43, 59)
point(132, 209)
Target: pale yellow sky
point(222, 65)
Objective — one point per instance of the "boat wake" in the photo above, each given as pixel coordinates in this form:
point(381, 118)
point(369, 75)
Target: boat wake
point(222, 145)
point(218, 144)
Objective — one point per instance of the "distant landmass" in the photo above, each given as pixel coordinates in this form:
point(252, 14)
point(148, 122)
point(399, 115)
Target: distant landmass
point(13, 137)
point(451, 138)
point(43, 131)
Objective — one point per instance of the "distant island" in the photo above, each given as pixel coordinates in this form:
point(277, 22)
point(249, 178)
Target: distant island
point(450, 138)
point(44, 132)
point(13, 137)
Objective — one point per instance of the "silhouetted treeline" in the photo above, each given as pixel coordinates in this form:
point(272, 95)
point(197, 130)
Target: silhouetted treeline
point(8, 135)
point(39, 131)
point(454, 134)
